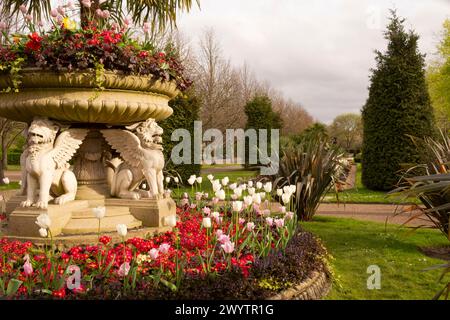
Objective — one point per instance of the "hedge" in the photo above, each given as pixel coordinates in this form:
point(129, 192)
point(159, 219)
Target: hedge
point(186, 111)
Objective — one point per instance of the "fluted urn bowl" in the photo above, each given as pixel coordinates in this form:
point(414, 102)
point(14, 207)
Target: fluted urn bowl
point(74, 97)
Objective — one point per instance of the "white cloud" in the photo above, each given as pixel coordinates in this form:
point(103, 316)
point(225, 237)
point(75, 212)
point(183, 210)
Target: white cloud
point(317, 52)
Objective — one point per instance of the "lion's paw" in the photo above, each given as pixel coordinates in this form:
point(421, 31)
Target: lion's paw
point(26, 203)
point(64, 199)
point(42, 205)
point(145, 194)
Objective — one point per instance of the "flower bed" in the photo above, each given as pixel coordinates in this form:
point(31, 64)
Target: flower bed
point(192, 262)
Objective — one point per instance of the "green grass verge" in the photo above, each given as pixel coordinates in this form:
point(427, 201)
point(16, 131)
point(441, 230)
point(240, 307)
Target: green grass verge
point(10, 186)
point(12, 167)
point(355, 245)
point(360, 194)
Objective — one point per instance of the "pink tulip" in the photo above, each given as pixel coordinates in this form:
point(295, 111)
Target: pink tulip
point(289, 215)
point(106, 14)
point(54, 13)
point(164, 248)
point(184, 201)
point(219, 220)
point(40, 23)
point(266, 213)
point(228, 247)
point(147, 27)
point(279, 223)
point(219, 233)
point(224, 238)
point(70, 5)
point(207, 211)
point(241, 221)
point(154, 253)
point(124, 269)
point(99, 13)
point(29, 18)
point(28, 268)
point(250, 226)
point(269, 222)
point(23, 9)
point(193, 206)
point(61, 10)
point(86, 3)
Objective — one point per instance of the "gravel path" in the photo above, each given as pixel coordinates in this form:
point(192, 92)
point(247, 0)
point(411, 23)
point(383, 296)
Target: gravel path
point(370, 212)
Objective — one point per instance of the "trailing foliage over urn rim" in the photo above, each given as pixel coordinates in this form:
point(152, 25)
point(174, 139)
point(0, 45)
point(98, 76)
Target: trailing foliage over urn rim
point(96, 47)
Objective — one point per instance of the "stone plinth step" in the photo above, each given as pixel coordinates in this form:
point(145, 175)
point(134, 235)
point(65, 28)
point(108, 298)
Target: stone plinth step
point(110, 212)
point(89, 224)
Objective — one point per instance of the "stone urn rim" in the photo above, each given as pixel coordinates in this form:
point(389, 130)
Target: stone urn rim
point(75, 97)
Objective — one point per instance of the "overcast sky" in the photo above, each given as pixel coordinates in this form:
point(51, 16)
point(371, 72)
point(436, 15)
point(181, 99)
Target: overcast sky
point(317, 52)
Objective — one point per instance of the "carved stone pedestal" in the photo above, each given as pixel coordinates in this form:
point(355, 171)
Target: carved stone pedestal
point(74, 222)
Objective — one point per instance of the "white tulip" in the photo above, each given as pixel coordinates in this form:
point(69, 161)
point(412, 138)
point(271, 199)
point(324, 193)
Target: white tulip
point(259, 185)
point(215, 215)
point(225, 181)
point(292, 188)
point(206, 223)
point(220, 194)
point(251, 191)
point(44, 221)
point(170, 221)
point(43, 232)
point(168, 180)
point(286, 197)
point(248, 200)
point(199, 179)
point(268, 187)
point(233, 186)
point(210, 177)
point(243, 186)
point(237, 206)
point(257, 198)
point(99, 212)
point(279, 192)
point(238, 192)
point(6, 180)
point(262, 195)
point(122, 230)
point(216, 185)
point(176, 179)
point(250, 184)
point(192, 180)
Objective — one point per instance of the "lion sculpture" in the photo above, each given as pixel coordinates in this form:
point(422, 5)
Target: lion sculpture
point(44, 163)
point(141, 151)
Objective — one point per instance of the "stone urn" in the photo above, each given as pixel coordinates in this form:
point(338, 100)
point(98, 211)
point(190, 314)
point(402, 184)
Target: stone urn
point(89, 119)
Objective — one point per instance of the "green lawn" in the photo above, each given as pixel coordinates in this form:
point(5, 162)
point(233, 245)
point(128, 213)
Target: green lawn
point(10, 186)
point(13, 167)
point(355, 245)
point(360, 194)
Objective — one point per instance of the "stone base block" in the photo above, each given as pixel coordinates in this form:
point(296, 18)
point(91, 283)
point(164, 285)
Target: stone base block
point(22, 221)
point(74, 222)
point(150, 211)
